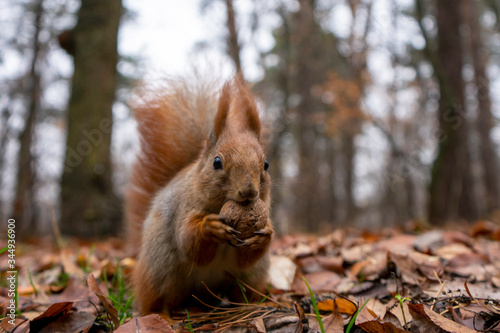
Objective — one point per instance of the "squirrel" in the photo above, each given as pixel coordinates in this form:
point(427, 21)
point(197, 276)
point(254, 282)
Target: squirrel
point(196, 153)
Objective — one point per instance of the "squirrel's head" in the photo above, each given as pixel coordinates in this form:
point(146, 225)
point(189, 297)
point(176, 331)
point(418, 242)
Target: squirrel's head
point(234, 166)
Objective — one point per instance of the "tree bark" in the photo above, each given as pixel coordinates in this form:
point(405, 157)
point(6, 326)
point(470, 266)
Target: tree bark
point(485, 123)
point(349, 153)
point(451, 191)
point(89, 205)
point(307, 185)
point(24, 203)
point(234, 46)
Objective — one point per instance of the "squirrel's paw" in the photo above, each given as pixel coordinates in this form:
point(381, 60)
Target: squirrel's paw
point(221, 232)
point(260, 240)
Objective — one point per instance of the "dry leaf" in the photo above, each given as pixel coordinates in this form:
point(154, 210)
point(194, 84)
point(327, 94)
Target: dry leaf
point(151, 323)
point(51, 314)
point(73, 322)
point(258, 325)
point(334, 322)
point(342, 304)
point(92, 283)
point(429, 321)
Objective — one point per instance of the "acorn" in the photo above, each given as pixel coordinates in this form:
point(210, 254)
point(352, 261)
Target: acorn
point(245, 218)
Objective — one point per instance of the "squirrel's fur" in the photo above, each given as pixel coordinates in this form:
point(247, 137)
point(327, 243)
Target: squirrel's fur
point(177, 191)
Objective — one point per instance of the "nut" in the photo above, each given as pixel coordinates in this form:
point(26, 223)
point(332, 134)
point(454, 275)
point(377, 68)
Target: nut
point(245, 218)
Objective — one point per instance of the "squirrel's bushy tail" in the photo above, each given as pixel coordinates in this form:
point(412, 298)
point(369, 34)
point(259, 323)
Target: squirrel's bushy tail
point(174, 119)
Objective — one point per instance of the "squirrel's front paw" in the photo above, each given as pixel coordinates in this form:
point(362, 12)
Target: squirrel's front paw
point(221, 232)
point(260, 240)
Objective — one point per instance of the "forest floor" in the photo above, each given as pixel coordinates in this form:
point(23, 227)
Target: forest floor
point(412, 279)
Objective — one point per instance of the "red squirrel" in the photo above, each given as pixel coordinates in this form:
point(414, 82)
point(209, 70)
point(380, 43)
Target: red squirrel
point(196, 153)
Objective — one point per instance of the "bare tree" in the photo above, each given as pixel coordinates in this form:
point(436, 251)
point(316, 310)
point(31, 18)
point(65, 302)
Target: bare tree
point(89, 205)
point(452, 191)
point(24, 203)
point(485, 123)
point(233, 44)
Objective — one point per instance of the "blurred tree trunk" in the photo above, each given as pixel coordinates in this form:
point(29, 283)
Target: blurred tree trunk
point(233, 45)
point(89, 206)
point(451, 192)
point(348, 154)
point(485, 123)
point(24, 204)
point(275, 154)
point(307, 185)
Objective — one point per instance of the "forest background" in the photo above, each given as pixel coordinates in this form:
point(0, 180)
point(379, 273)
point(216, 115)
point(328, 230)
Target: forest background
point(381, 112)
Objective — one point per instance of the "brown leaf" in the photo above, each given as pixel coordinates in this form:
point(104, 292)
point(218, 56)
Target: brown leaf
point(485, 304)
point(83, 298)
point(368, 321)
point(375, 326)
point(342, 304)
point(389, 317)
point(73, 322)
point(21, 325)
point(150, 323)
point(317, 281)
point(51, 314)
point(429, 321)
point(92, 283)
point(474, 322)
point(333, 264)
point(483, 228)
point(303, 321)
point(258, 325)
point(334, 322)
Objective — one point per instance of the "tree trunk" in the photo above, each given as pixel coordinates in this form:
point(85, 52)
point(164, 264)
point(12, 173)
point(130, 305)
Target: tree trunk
point(349, 153)
point(489, 157)
point(24, 203)
point(234, 46)
point(451, 192)
point(89, 206)
point(306, 189)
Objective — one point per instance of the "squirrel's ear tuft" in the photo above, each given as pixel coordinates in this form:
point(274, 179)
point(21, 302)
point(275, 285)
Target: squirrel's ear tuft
point(222, 110)
point(236, 95)
point(247, 105)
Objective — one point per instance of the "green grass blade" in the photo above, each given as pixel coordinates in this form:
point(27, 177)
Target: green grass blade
point(315, 307)
point(242, 288)
point(188, 325)
point(31, 282)
point(353, 319)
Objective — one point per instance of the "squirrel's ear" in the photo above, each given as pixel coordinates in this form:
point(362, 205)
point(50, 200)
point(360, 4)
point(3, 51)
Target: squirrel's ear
point(246, 103)
point(222, 110)
point(236, 95)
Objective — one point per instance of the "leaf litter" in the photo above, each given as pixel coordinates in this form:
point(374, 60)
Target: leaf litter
point(418, 280)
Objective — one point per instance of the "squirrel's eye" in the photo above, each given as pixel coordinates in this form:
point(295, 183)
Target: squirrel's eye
point(217, 163)
point(266, 165)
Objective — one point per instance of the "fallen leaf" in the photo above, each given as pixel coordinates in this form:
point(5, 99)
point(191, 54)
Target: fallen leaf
point(20, 325)
point(429, 321)
point(429, 242)
point(258, 325)
point(323, 280)
point(389, 317)
point(92, 283)
point(333, 264)
point(282, 271)
point(73, 322)
point(150, 323)
point(303, 321)
point(342, 304)
point(334, 322)
point(49, 315)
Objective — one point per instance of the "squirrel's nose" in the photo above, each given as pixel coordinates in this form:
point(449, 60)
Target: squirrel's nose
point(249, 193)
